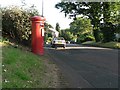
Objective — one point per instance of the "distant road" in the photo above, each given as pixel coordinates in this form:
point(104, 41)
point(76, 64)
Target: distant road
point(87, 67)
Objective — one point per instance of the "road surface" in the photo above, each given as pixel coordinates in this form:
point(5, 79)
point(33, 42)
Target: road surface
point(87, 67)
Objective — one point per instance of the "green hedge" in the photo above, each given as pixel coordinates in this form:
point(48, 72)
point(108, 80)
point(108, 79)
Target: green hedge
point(16, 23)
point(100, 44)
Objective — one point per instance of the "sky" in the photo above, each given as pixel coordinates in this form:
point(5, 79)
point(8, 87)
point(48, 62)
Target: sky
point(51, 14)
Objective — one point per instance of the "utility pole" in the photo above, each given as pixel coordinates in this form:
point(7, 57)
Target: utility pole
point(42, 8)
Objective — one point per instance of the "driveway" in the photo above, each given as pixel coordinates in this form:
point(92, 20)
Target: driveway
point(87, 67)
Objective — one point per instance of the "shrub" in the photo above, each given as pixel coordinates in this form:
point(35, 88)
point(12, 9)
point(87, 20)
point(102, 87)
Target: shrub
point(108, 31)
point(89, 38)
point(16, 23)
point(84, 38)
point(97, 34)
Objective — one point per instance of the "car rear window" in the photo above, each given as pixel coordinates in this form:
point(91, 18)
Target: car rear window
point(60, 38)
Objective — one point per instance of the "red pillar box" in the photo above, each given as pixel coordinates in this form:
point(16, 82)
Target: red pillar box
point(38, 35)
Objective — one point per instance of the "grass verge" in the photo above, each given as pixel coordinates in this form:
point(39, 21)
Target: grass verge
point(115, 45)
point(23, 69)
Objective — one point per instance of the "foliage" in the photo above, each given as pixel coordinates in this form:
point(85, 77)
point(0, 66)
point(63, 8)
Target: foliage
point(97, 34)
point(48, 34)
point(116, 17)
point(16, 23)
point(82, 28)
point(47, 26)
point(108, 31)
point(111, 12)
point(117, 28)
point(66, 34)
point(100, 44)
point(95, 11)
point(88, 9)
point(49, 39)
point(89, 38)
point(57, 27)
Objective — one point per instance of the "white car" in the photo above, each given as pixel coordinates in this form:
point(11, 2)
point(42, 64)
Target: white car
point(58, 42)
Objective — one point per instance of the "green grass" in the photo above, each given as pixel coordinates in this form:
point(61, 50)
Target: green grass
point(21, 68)
point(107, 45)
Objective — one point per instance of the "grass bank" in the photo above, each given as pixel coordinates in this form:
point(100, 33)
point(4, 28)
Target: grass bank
point(115, 45)
point(23, 69)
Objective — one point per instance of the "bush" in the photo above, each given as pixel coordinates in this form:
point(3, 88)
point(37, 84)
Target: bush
point(16, 23)
point(89, 38)
point(84, 38)
point(108, 31)
point(78, 40)
point(97, 34)
point(49, 39)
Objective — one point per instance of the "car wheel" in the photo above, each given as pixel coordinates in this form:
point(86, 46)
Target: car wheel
point(64, 46)
point(55, 47)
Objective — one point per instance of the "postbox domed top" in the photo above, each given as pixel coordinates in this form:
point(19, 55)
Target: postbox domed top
point(37, 18)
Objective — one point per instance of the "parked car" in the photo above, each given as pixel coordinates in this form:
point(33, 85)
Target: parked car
point(68, 42)
point(72, 42)
point(58, 42)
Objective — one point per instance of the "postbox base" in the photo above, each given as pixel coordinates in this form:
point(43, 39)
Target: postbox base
point(38, 53)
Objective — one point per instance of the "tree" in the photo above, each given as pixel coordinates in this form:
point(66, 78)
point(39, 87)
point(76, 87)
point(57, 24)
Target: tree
point(110, 13)
point(67, 34)
point(48, 34)
point(89, 9)
point(58, 28)
point(108, 31)
point(47, 26)
point(93, 10)
point(81, 27)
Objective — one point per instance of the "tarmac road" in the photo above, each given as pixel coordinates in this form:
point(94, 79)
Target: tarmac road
point(87, 67)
